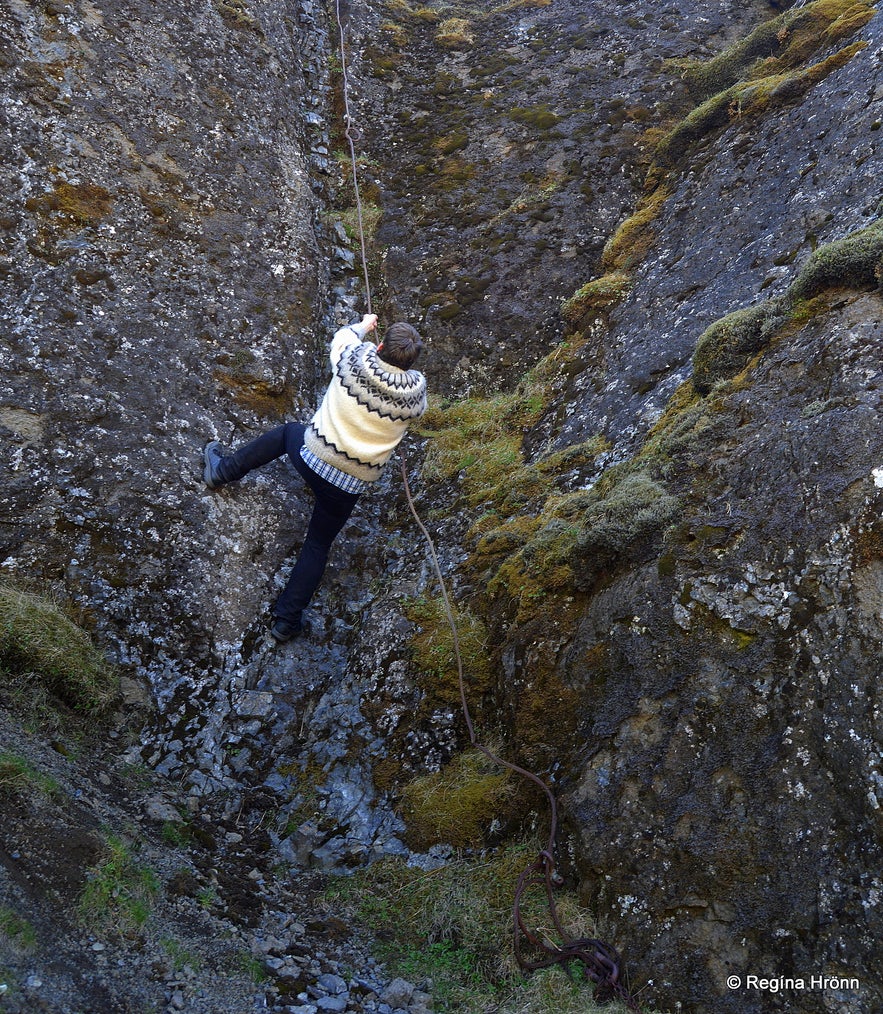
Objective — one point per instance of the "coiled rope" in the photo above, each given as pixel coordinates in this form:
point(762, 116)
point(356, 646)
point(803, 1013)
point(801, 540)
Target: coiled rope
point(601, 962)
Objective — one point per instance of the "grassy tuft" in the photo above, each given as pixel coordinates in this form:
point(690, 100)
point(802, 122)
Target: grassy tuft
point(433, 648)
point(454, 33)
point(626, 513)
point(456, 805)
point(16, 930)
point(513, 5)
point(17, 775)
point(39, 643)
point(479, 442)
point(236, 12)
point(453, 925)
point(777, 45)
point(726, 346)
point(596, 297)
point(629, 245)
point(119, 891)
point(852, 262)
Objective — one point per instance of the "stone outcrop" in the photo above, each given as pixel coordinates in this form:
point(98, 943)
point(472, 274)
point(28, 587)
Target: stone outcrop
point(672, 591)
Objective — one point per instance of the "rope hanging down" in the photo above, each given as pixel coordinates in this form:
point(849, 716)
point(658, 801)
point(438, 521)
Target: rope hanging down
point(351, 133)
point(601, 962)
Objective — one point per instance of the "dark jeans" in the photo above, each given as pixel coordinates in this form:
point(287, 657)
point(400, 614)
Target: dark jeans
point(332, 509)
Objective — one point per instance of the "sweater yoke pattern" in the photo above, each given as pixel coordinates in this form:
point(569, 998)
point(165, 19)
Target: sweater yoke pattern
point(391, 395)
point(365, 412)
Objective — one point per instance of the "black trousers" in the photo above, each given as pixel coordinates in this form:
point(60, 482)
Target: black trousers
point(330, 513)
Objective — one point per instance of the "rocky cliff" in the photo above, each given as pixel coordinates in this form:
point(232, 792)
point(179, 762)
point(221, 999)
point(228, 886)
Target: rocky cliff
point(644, 245)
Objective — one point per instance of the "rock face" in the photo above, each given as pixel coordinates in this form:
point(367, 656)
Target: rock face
point(675, 592)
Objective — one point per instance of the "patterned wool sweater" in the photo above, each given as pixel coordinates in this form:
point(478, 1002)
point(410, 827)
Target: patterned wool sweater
point(366, 409)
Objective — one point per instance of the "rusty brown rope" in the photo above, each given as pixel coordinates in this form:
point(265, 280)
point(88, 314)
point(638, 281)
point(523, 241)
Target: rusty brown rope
point(601, 963)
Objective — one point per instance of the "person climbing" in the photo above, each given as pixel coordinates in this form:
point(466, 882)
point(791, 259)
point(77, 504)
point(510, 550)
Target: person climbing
point(374, 394)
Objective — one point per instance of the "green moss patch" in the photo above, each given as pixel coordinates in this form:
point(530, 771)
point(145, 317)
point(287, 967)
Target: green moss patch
point(854, 262)
point(18, 775)
point(433, 650)
point(540, 117)
point(596, 298)
point(17, 931)
point(457, 805)
point(620, 522)
point(119, 891)
point(455, 33)
point(629, 245)
point(778, 45)
point(236, 13)
point(478, 442)
point(40, 644)
point(725, 348)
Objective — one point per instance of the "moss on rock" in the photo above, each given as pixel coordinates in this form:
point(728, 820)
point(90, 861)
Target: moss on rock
point(781, 43)
point(620, 522)
point(853, 262)
point(455, 33)
point(456, 805)
point(725, 348)
point(596, 297)
point(433, 650)
point(73, 204)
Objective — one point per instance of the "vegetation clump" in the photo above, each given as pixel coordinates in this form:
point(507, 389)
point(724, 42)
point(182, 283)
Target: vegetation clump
point(39, 643)
point(540, 117)
point(853, 262)
point(725, 348)
point(454, 33)
point(629, 245)
point(478, 441)
point(777, 45)
point(19, 776)
point(453, 925)
point(620, 521)
point(17, 931)
point(119, 891)
point(457, 805)
point(596, 297)
point(74, 204)
point(433, 648)
point(236, 12)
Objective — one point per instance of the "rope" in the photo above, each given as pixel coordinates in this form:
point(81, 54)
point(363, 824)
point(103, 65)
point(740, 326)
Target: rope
point(352, 134)
point(600, 961)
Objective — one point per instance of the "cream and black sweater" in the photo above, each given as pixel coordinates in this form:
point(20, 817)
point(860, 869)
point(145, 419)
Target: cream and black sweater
point(366, 409)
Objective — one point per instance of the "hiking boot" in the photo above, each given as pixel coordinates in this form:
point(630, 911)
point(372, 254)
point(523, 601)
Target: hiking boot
point(285, 630)
point(212, 456)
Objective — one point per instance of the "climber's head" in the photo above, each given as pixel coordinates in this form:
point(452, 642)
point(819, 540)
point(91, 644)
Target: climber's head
point(400, 346)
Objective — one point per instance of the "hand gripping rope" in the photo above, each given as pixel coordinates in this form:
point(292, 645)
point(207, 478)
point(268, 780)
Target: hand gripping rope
point(600, 962)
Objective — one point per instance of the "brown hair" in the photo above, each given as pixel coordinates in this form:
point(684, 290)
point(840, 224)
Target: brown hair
point(400, 346)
